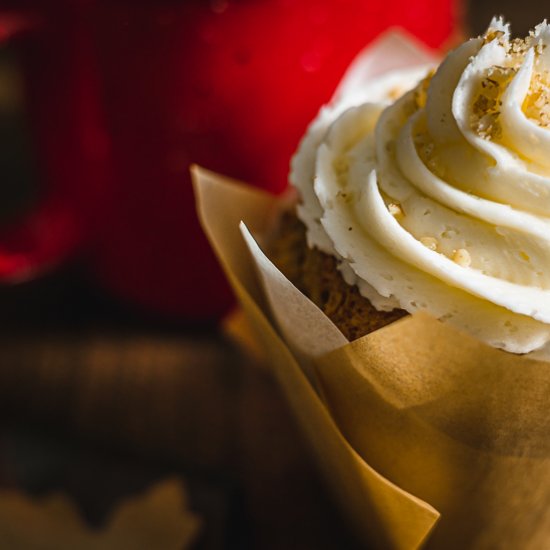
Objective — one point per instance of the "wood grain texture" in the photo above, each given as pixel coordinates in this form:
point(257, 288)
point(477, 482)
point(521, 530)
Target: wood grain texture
point(75, 363)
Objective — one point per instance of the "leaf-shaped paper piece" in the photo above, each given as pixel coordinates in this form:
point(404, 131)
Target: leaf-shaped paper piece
point(384, 515)
point(159, 518)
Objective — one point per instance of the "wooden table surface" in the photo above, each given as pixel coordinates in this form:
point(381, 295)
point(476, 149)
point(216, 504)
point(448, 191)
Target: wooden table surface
point(111, 384)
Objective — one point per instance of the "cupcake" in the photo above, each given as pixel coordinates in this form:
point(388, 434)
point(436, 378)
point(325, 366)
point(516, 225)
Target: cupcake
point(422, 210)
point(429, 190)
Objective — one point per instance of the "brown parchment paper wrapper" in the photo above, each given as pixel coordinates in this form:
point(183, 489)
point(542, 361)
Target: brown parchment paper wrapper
point(382, 513)
point(410, 422)
point(414, 419)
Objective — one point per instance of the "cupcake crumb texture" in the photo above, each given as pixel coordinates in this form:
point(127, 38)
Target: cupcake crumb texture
point(317, 276)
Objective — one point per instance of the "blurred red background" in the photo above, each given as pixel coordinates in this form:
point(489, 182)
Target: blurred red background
point(117, 98)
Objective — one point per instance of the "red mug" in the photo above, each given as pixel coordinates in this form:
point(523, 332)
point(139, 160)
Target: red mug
point(122, 96)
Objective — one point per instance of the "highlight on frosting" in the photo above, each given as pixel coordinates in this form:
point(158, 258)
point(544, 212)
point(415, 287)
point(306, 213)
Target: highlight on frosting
point(440, 200)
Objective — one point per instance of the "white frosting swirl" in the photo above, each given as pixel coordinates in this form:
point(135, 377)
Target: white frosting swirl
point(440, 200)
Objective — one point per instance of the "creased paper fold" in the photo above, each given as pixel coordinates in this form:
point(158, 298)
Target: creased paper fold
point(415, 417)
point(382, 513)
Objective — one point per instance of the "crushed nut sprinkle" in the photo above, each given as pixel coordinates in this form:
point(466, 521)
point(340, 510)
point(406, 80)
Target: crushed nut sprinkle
point(395, 93)
point(492, 34)
point(537, 102)
point(540, 47)
point(429, 242)
point(486, 108)
point(501, 74)
point(484, 119)
point(347, 197)
point(462, 257)
point(395, 209)
point(421, 91)
point(518, 46)
point(427, 152)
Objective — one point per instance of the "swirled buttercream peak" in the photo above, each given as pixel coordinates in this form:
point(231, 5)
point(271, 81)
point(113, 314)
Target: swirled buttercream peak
point(439, 200)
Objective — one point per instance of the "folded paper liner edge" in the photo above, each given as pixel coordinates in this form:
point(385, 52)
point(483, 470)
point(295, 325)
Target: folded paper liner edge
point(382, 513)
point(414, 413)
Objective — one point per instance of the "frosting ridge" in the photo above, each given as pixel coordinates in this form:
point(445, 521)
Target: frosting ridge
point(439, 200)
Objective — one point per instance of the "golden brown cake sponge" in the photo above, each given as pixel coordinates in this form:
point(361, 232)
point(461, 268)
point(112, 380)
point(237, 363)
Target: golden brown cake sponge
point(316, 275)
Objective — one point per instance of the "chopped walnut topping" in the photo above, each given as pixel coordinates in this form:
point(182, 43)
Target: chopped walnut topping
point(492, 34)
point(429, 242)
point(484, 119)
point(484, 104)
point(518, 46)
point(395, 93)
point(485, 115)
point(540, 47)
point(395, 209)
point(537, 102)
point(488, 126)
point(501, 74)
point(421, 91)
point(462, 257)
point(427, 152)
